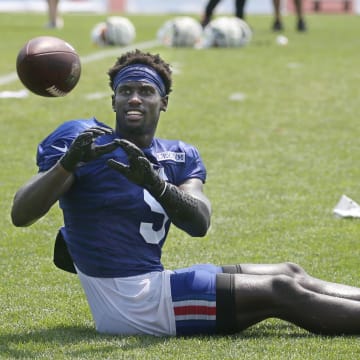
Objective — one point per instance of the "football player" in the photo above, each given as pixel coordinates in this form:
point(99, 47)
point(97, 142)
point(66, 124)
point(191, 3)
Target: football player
point(120, 189)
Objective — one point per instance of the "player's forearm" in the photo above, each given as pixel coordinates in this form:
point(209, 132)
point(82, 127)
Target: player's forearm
point(34, 199)
point(186, 211)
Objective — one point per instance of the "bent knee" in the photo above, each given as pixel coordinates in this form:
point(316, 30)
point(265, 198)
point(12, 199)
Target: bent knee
point(294, 270)
point(285, 288)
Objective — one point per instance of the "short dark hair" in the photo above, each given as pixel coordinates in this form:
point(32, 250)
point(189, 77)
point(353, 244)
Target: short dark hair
point(139, 57)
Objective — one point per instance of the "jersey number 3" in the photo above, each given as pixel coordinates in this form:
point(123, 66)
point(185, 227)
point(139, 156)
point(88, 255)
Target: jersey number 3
point(146, 229)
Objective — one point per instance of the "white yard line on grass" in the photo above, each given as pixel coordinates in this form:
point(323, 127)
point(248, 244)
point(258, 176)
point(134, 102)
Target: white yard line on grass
point(9, 78)
point(100, 55)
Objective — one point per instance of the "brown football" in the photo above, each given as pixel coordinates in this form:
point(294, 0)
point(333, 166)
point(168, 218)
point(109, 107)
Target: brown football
point(48, 66)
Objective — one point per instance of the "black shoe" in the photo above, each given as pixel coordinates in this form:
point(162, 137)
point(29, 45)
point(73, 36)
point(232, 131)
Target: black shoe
point(301, 26)
point(277, 26)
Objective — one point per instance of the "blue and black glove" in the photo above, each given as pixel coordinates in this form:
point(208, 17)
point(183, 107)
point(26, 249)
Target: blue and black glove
point(140, 170)
point(83, 148)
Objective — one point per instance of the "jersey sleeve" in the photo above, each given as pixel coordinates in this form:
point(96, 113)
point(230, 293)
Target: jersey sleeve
point(195, 167)
point(54, 146)
point(180, 160)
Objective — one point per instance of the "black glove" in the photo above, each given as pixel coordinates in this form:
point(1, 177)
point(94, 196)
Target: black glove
point(140, 170)
point(83, 148)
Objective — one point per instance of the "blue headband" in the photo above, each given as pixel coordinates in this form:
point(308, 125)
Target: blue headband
point(141, 73)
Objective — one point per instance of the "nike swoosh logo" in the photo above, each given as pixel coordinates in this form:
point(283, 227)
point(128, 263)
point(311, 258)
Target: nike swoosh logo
point(63, 149)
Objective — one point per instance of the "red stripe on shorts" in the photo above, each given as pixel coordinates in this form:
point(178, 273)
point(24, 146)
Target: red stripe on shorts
point(203, 310)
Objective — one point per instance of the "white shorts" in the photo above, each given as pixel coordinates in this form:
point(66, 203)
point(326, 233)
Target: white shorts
point(133, 305)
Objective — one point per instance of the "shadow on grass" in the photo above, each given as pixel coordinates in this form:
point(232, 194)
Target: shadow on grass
point(275, 329)
point(70, 340)
point(266, 330)
point(75, 341)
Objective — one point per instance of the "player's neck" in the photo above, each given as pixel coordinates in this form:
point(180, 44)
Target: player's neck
point(142, 141)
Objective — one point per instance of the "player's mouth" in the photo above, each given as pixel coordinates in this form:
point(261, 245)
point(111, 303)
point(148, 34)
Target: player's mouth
point(134, 115)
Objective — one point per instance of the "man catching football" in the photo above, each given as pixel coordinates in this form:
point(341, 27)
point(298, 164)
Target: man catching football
point(120, 189)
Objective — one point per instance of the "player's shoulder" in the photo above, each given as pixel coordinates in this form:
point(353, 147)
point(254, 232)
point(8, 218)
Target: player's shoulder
point(58, 142)
point(178, 146)
point(74, 127)
point(70, 129)
point(181, 160)
point(175, 152)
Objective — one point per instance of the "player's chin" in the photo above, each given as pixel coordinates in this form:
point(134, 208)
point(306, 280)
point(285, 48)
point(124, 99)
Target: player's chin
point(134, 120)
point(134, 128)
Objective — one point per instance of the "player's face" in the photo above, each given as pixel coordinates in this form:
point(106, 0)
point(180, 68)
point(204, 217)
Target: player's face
point(137, 106)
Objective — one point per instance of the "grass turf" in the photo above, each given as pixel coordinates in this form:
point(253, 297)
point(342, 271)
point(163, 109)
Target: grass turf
point(278, 160)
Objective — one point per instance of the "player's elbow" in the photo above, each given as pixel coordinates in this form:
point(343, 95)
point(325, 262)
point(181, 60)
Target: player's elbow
point(17, 220)
point(21, 218)
point(199, 224)
point(201, 231)
point(202, 220)
point(198, 230)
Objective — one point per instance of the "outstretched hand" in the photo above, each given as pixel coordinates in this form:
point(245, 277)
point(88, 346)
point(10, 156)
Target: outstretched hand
point(83, 148)
point(140, 170)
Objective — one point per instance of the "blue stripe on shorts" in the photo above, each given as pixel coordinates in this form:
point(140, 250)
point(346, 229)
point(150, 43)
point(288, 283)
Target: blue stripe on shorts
point(193, 292)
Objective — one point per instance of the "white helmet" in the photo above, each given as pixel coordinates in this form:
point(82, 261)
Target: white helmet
point(182, 31)
point(120, 31)
point(227, 32)
point(98, 34)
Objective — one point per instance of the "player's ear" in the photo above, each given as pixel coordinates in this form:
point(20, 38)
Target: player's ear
point(113, 102)
point(164, 103)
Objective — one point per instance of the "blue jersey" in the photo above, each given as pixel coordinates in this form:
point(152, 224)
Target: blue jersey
point(114, 228)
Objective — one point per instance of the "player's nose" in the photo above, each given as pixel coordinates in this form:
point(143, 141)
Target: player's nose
point(134, 98)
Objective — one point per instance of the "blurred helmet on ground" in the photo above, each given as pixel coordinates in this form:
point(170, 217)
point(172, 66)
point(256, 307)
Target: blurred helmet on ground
point(182, 31)
point(98, 34)
point(116, 31)
point(120, 31)
point(227, 31)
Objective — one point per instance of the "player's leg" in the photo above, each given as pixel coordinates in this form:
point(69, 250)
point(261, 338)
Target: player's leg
point(52, 5)
point(239, 8)
point(209, 9)
point(258, 297)
point(254, 298)
point(277, 25)
point(302, 278)
point(301, 26)
point(243, 300)
point(54, 20)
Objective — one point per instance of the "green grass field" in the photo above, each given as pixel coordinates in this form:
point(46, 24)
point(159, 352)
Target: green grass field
point(278, 161)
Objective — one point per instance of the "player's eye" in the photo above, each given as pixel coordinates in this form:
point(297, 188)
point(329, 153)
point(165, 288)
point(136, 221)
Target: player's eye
point(147, 91)
point(124, 90)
